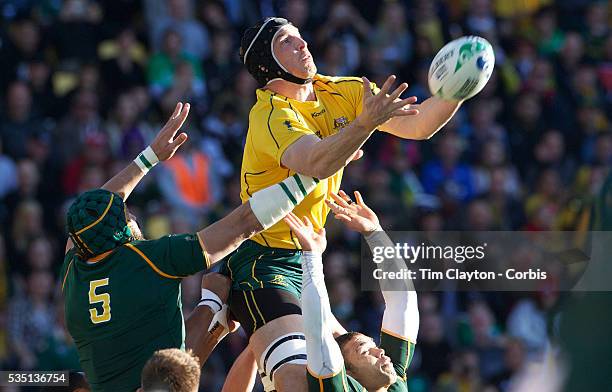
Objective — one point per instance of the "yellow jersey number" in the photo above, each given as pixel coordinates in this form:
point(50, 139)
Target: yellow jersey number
point(94, 298)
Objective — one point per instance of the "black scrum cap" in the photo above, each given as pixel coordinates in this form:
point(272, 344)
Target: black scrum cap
point(257, 54)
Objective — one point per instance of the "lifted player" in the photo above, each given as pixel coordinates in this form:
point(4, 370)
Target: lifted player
point(315, 125)
point(122, 293)
point(353, 362)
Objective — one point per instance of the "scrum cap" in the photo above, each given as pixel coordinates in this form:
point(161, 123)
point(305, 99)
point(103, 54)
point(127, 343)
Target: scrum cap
point(97, 222)
point(257, 54)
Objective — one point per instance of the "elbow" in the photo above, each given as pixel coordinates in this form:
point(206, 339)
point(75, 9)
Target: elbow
point(321, 168)
point(323, 173)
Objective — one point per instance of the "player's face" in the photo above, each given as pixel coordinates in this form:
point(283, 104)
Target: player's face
point(368, 363)
point(292, 52)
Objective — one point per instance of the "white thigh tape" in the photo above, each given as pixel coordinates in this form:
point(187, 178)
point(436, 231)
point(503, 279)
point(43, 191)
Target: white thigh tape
point(287, 349)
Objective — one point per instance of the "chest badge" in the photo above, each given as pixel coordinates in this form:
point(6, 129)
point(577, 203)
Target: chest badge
point(340, 122)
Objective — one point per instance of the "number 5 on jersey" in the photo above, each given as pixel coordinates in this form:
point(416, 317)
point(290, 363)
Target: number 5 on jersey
point(94, 298)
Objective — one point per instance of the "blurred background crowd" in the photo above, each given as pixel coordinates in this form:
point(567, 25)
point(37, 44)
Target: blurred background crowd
point(85, 84)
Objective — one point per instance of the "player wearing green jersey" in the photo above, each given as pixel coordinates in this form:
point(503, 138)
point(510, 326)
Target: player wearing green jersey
point(122, 293)
point(353, 362)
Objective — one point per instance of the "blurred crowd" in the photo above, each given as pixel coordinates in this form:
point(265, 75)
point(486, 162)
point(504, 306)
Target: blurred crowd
point(85, 84)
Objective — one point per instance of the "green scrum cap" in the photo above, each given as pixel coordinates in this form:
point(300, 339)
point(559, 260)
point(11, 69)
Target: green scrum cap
point(97, 223)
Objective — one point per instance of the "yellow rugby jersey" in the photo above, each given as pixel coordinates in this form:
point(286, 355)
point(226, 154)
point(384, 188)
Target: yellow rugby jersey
point(275, 122)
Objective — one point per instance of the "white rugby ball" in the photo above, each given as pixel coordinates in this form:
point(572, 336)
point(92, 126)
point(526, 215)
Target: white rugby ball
point(461, 68)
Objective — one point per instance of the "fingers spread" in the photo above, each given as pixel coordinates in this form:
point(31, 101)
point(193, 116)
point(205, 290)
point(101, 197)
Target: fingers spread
point(398, 91)
point(387, 86)
point(405, 102)
point(179, 140)
point(339, 200)
point(182, 117)
point(343, 195)
point(404, 112)
point(367, 89)
point(307, 222)
point(177, 110)
point(335, 208)
point(359, 198)
point(342, 217)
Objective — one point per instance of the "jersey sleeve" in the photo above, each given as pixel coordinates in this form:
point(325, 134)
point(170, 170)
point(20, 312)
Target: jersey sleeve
point(173, 256)
point(285, 127)
point(400, 351)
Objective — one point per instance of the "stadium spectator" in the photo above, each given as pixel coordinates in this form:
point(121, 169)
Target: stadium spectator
point(124, 69)
point(30, 319)
point(446, 174)
point(18, 121)
point(81, 121)
point(163, 69)
point(179, 18)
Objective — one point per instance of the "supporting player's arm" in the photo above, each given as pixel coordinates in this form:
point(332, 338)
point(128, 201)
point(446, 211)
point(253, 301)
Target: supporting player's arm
point(434, 113)
point(401, 316)
point(323, 158)
point(265, 208)
point(324, 355)
point(208, 324)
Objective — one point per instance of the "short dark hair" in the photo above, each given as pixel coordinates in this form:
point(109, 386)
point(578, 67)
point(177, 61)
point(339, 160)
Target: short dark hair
point(171, 370)
point(342, 341)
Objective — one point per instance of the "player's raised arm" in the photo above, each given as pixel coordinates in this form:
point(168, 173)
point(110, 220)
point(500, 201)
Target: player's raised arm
point(265, 208)
point(324, 356)
point(434, 113)
point(321, 158)
point(163, 147)
point(401, 317)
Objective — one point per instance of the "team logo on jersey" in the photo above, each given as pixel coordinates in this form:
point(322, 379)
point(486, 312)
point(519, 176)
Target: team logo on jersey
point(340, 122)
point(288, 125)
point(279, 280)
point(317, 114)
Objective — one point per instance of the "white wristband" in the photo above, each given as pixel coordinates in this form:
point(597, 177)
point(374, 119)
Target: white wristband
point(211, 300)
point(146, 159)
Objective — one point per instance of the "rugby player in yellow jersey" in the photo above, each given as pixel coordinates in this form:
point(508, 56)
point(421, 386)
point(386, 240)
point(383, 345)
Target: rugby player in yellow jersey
point(314, 125)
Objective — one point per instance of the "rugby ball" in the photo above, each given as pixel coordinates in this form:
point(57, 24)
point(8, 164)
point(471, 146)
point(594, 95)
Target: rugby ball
point(461, 68)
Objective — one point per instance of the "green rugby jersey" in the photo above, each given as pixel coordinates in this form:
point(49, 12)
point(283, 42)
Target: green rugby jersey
point(398, 349)
point(125, 306)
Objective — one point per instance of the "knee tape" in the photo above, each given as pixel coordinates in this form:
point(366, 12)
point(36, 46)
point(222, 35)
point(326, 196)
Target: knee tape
point(287, 349)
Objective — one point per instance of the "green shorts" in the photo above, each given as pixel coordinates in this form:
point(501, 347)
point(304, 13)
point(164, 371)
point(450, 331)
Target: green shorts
point(253, 266)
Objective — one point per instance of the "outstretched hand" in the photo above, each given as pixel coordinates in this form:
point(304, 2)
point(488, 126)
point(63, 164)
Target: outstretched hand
point(356, 216)
point(310, 239)
point(380, 108)
point(167, 142)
